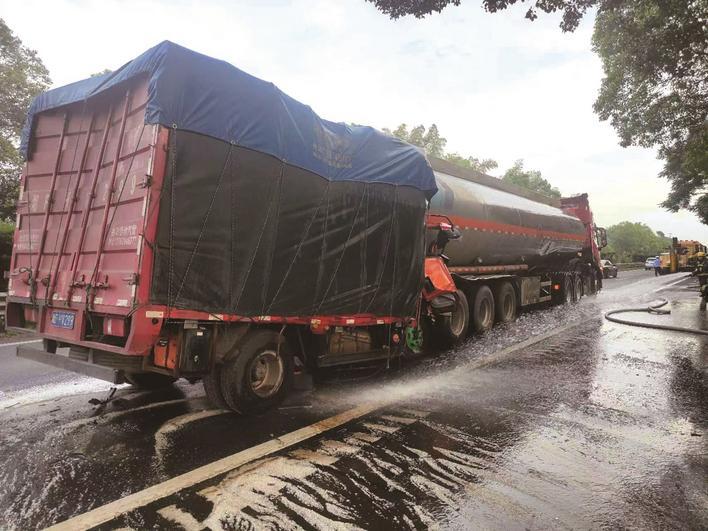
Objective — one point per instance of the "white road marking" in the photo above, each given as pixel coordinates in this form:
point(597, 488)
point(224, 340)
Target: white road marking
point(114, 509)
point(667, 286)
point(16, 343)
point(141, 498)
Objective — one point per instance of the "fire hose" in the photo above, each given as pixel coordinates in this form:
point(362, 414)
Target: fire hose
point(653, 308)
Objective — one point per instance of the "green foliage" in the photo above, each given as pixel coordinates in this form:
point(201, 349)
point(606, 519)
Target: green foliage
point(530, 179)
point(102, 72)
point(573, 10)
point(480, 165)
point(627, 240)
point(6, 232)
point(655, 90)
point(22, 77)
point(430, 140)
point(434, 145)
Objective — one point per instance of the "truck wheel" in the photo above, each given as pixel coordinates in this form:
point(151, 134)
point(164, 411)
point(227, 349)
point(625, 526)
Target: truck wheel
point(567, 291)
point(149, 380)
point(577, 288)
point(260, 376)
point(505, 302)
point(452, 330)
point(212, 387)
point(483, 310)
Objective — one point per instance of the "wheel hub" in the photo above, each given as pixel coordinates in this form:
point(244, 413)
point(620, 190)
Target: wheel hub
point(267, 373)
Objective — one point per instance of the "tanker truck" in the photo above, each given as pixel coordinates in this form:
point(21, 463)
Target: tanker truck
point(179, 218)
point(516, 248)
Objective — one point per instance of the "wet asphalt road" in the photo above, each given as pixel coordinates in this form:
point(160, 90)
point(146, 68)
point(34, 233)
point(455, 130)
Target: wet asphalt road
point(602, 425)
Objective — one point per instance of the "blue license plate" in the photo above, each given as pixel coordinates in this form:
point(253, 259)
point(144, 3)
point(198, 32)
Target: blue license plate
point(63, 319)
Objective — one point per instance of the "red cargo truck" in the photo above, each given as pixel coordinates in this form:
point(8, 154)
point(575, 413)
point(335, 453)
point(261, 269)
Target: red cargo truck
point(180, 218)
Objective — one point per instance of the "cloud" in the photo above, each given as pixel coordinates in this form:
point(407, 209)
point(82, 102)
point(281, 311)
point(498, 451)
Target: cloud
point(497, 85)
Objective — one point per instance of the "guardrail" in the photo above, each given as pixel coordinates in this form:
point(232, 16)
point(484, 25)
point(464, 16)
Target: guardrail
point(628, 266)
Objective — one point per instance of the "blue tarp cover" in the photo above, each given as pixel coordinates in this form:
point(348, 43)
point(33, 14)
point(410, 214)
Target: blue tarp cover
point(197, 93)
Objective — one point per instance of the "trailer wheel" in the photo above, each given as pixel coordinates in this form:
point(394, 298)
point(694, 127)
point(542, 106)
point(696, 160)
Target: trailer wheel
point(566, 294)
point(260, 376)
point(577, 288)
point(505, 302)
point(212, 387)
point(483, 310)
point(149, 380)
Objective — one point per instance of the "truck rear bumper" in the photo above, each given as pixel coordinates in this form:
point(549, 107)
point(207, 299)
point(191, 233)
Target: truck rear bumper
point(93, 370)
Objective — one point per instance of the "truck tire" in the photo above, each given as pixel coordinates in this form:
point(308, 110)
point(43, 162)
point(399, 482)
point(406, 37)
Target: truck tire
point(149, 380)
point(449, 331)
point(483, 310)
point(212, 387)
point(260, 376)
point(577, 287)
point(505, 302)
point(566, 292)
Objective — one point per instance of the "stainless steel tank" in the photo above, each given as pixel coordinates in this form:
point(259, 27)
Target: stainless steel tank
point(500, 227)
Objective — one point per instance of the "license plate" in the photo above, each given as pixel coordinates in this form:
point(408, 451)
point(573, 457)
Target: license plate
point(63, 320)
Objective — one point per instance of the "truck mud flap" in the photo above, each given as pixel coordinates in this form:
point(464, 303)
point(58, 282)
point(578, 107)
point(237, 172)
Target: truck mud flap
point(64, 362)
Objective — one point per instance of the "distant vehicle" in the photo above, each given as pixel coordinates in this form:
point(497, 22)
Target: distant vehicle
point(609, 270)
point(665, 263)
point(686, 251)
point(649, 264)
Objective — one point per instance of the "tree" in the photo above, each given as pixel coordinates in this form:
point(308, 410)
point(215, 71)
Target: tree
point(573, 10)
point(22, 77)
point(101, 73)
point(434, 145)
point(480, 165)
point(628, 241)
point(655, 88)
point(430, 140)
point(529, 179)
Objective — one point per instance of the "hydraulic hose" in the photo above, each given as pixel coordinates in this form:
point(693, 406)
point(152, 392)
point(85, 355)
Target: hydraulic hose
point(655, 309)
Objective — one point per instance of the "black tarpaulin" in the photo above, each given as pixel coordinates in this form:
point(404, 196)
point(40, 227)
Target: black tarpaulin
point(242, 232)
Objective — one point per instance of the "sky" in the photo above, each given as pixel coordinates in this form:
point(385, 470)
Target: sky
point(497, 85)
